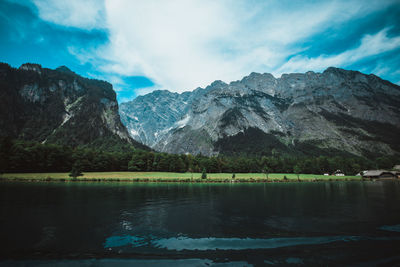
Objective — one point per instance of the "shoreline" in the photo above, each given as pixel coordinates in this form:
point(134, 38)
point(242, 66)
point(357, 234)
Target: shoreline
point(182, 180)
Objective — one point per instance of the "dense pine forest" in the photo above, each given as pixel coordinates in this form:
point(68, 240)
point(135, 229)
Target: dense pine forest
point(24, 156)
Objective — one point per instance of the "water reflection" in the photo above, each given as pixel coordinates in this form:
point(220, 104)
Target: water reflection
point(163, 219)
point(182, 243)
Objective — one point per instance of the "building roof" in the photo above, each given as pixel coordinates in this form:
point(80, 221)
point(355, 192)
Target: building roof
point(377, 173)
point(396, 167)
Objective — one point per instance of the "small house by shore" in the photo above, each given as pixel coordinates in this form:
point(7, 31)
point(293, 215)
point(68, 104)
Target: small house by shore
point(338, 173)
point(375, 174)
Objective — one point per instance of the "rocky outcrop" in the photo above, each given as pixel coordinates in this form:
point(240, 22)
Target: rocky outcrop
point(59, 106)
point(322, 113)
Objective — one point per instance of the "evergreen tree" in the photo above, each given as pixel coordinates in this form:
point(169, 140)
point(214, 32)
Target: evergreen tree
point(297, 171)
point(76, 171)
point(204, 174)
point(266, 171)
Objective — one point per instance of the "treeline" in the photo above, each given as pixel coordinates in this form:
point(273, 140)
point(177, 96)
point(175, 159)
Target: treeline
point(23, 156)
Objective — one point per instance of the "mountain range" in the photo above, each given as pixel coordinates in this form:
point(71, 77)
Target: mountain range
point(59, 106)
point(330, 113)
point(335, 112)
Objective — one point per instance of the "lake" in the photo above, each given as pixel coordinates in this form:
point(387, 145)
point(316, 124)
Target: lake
point(125, 224)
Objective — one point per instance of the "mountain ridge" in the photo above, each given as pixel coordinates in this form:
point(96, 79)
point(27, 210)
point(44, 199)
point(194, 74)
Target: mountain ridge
point(296, 103)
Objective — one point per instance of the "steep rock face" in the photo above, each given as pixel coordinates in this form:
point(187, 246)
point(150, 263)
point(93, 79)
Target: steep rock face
point(159, 113)
point(337, 110)
point(58, 106)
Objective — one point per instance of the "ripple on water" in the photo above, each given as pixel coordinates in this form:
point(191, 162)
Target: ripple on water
point(392, 228)
point(212, 243)
point(120, 241)
point(293, 260)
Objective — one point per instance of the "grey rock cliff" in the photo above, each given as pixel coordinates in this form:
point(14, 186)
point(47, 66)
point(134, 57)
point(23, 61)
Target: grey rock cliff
point(59, 106)
point(335, 110)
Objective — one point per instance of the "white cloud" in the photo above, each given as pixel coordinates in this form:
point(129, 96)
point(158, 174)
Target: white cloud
point(86, 14)
point(370, 45)
point(183, 44)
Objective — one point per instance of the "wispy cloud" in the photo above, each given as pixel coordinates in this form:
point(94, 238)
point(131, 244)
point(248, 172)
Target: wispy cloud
point(87, 14)
point(370, 45)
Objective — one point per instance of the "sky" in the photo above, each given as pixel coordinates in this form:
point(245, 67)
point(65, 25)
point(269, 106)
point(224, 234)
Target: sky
point(143, 45)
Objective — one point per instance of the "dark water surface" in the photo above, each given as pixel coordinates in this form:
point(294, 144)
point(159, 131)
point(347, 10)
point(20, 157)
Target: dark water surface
point(125, 224)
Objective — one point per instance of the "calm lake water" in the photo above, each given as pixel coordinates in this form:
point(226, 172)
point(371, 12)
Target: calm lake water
point(125, 224)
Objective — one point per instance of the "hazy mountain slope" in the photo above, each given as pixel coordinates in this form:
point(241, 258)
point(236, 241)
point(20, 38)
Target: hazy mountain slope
point(331, 112)
point(59, 106)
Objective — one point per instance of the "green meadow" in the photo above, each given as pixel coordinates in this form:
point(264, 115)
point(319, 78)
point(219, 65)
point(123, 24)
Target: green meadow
point(172, 176)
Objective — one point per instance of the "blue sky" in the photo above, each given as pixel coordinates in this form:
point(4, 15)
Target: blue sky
point(179, 45)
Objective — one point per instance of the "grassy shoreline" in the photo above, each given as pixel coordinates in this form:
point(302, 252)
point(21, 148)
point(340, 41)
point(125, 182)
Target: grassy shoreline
point(173, 177)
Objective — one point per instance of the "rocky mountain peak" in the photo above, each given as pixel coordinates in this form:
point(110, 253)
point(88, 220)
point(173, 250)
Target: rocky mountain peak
point(265, 82)
point(31, 67)
point(216, 85)
point(255, 76)
point(64, 69)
